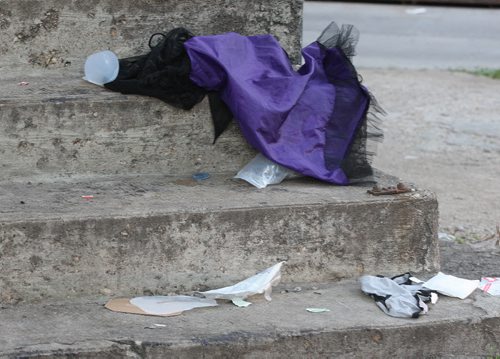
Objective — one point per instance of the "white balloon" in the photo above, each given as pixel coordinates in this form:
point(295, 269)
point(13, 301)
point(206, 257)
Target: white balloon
point(101, 67)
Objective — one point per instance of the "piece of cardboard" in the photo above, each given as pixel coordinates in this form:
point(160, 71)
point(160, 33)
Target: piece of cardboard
point(123, 305)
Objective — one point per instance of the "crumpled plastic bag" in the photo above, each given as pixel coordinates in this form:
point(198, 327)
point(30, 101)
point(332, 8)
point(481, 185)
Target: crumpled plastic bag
point(262, 282)
point(397, 296)
point(262, 172)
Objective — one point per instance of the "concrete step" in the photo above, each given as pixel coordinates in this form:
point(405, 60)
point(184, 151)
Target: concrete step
point(53, 34)
point(156, 234)
point(63, 126)
point(282, 328)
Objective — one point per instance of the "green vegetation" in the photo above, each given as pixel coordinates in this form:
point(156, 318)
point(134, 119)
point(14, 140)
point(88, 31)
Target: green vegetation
point(491, 73)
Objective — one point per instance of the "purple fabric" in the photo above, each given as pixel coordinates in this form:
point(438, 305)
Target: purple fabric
point(304, 120)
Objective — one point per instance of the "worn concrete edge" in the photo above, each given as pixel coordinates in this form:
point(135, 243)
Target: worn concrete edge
point(247, 343)
point(296, 206)
point(423, 339)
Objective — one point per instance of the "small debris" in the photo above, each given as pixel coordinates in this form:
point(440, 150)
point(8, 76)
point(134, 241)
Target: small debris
point(317, 310)
point(400, 188)
point(106, 291)
point(201, 176)
point(297, 289)
point(490, 285)
point(23, 83)
point(240, 302)
point(446, 237)
point(22, 202)
point(491, 241)
point(317, 292)
point(88, 197)
point(155, 326)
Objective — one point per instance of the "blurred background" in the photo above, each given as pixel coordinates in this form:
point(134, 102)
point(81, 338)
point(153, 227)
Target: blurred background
point(435, 69)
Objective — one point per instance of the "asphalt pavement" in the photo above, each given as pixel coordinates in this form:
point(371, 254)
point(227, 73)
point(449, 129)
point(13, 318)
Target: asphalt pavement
point(415, 37)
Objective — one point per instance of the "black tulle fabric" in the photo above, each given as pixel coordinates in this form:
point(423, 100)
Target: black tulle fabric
point(164, 72)
point(357, 163)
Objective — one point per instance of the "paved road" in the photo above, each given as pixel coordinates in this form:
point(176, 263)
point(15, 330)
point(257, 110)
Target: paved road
point(402, 36)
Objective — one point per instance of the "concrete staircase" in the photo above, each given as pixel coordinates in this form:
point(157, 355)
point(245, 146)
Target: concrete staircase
point(151, 228)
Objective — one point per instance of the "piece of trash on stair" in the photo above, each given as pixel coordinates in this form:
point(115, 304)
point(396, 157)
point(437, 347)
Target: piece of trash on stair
point(261, 172)
point(261, 283)
point(397, 296)
point(101, 67)
point(391, 190)
point(443, 236)
point(240, 302)
point(295, 118)
point(200, 176)
point(317, 310)
point(451, 286)
point(490, 285)
point(165, 306)
point(155, 326)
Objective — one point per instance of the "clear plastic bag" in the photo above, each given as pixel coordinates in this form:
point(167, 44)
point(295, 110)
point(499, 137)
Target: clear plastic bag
point(261, 172)
point(262, 282)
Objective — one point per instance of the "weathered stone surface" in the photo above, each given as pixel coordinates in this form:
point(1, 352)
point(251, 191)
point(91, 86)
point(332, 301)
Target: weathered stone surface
point(354, 328)
point(155, 234)
point(59, 127)
point(53, 34)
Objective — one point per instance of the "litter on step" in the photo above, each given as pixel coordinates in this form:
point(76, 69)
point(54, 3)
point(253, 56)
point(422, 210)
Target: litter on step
point(167, 306)
point(318, 121)
point(407, 297)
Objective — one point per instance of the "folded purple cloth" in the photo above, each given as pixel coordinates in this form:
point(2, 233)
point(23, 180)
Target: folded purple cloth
point(304, 120)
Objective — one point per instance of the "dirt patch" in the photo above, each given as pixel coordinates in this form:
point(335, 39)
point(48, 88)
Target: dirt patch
point(51, 58)
point(49, 22)
point(5, 18)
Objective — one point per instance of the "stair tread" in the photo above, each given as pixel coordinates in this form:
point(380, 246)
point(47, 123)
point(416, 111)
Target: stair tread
point(354, 326)
point(61, 87)
point(147, 195)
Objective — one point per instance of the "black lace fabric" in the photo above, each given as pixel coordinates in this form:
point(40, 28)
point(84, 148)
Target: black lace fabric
point(357, 163)
point(163, 73)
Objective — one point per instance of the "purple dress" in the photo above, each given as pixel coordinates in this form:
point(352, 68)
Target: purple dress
point(305, 120)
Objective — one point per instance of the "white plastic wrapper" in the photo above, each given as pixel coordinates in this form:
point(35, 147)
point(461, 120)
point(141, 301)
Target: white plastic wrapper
point(490, 285)
point(262, 172)
point(451, 286)
point(262, 282)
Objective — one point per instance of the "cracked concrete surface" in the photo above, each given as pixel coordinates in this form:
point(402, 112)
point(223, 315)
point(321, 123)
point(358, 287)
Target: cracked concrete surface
point(353, 328)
